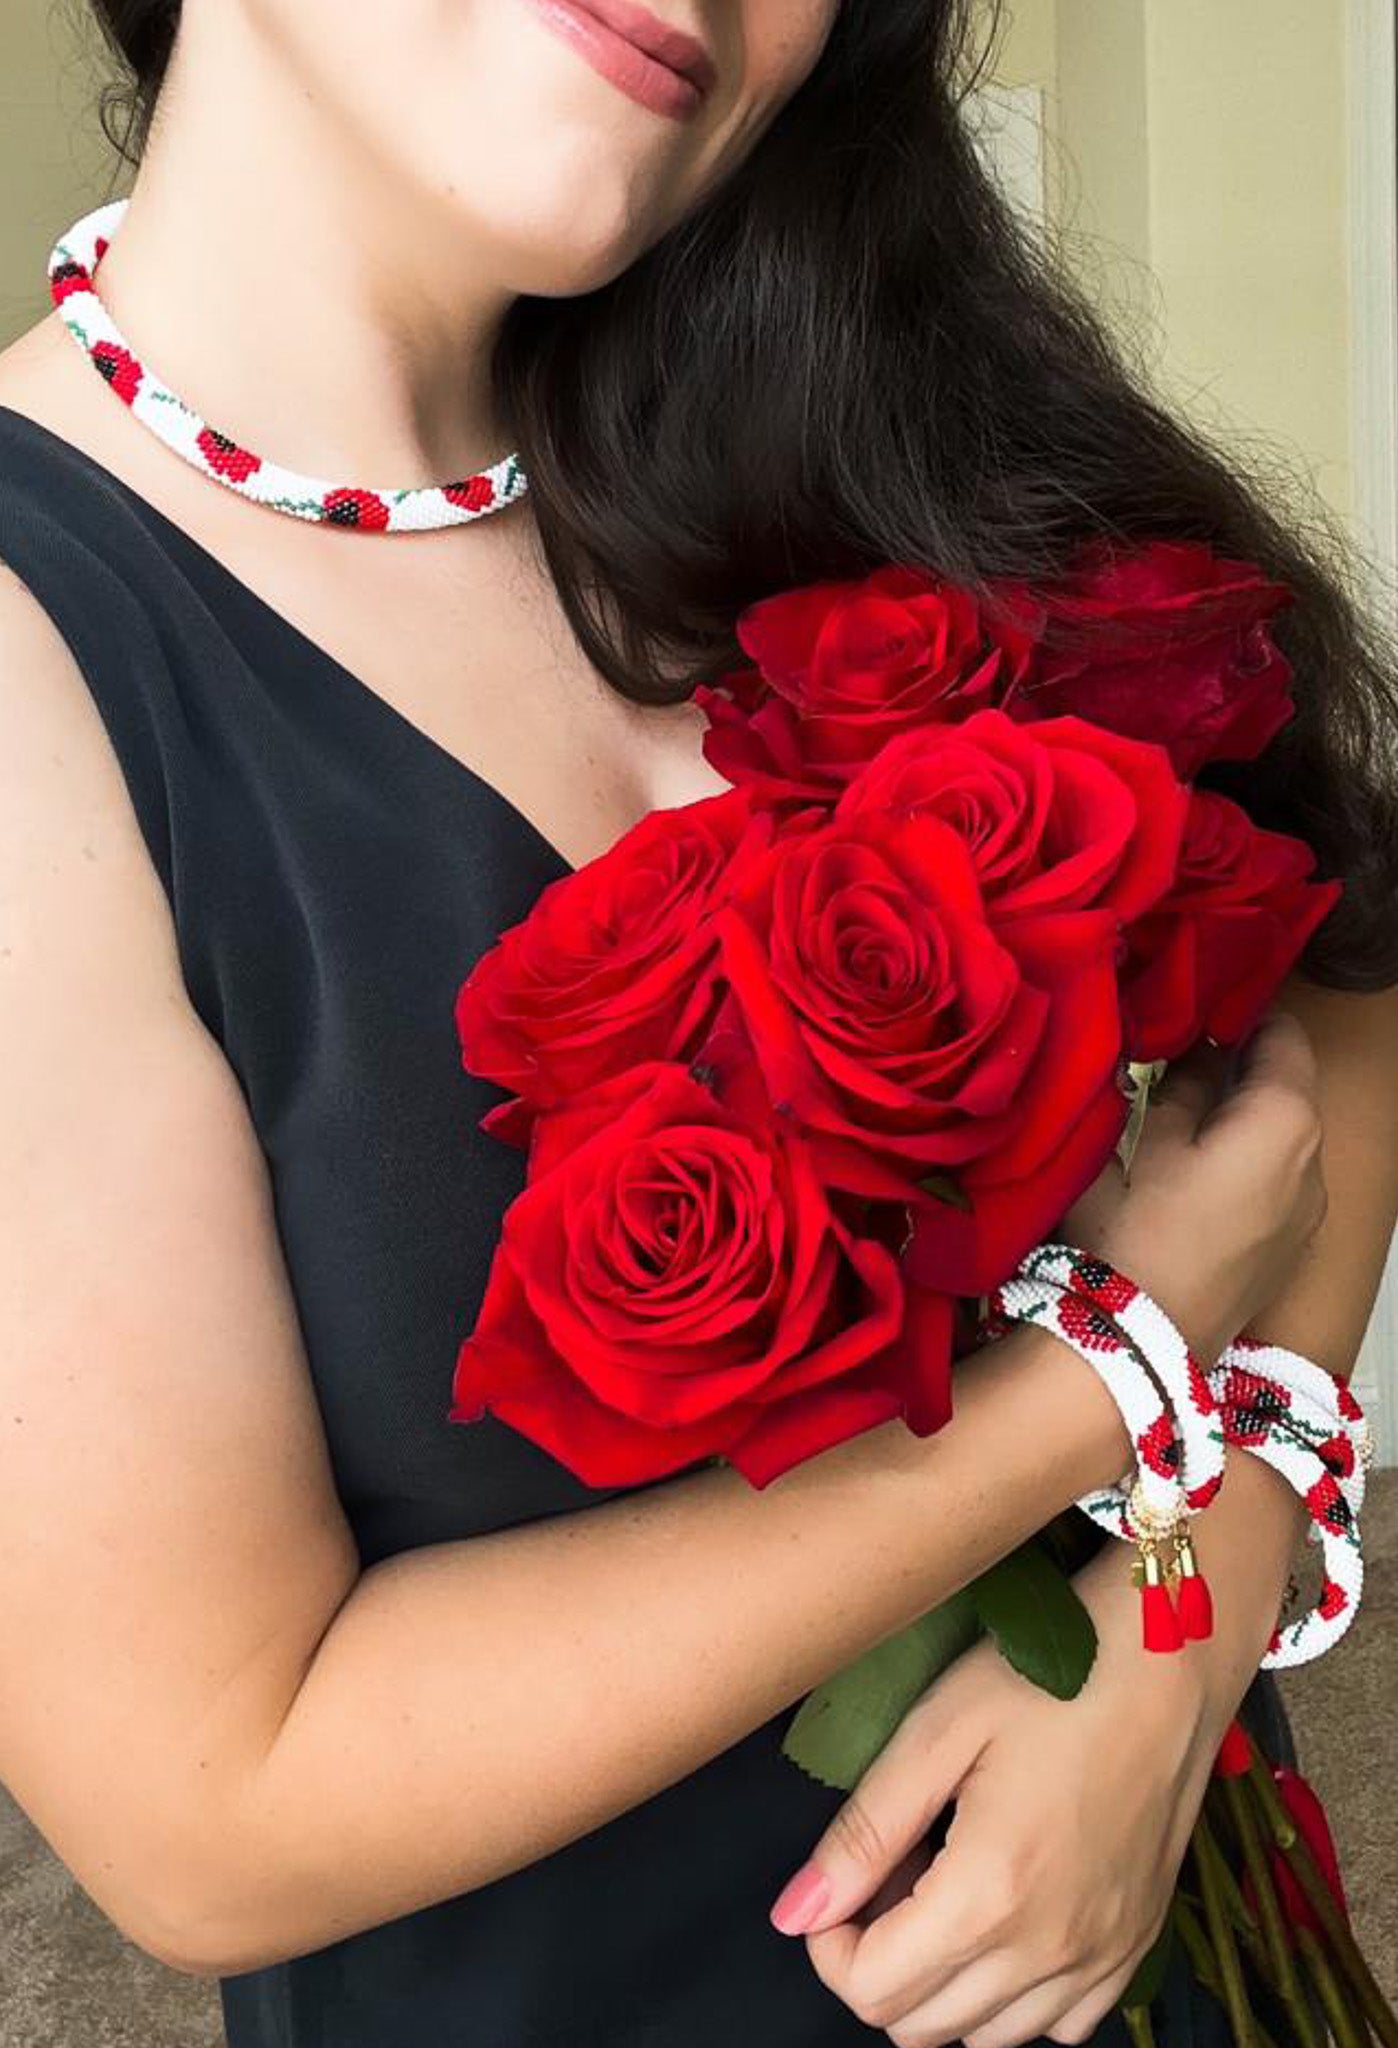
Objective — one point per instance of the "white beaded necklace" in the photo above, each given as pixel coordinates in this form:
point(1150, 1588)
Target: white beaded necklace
point(419, 509)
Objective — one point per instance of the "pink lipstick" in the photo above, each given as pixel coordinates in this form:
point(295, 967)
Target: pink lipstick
point(657, 66)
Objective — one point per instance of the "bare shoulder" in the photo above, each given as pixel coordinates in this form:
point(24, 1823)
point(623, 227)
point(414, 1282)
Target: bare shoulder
point(68, 831)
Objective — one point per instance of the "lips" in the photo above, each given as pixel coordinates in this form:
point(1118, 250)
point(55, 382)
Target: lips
point(656, 65)
point(669, 46)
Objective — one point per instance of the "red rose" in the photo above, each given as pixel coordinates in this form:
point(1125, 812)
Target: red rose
point(844, 666)
point(1181, 652)
point(1058, 816)
point(908, 1034)
point(615, 963)
point(1212, 954)
point(674, 1283)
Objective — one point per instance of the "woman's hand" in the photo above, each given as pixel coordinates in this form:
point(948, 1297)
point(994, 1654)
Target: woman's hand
point(1072, 1818)
point(1226, 1189)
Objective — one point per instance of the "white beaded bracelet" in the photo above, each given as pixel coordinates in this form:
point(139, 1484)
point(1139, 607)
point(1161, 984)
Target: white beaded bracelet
point(1260, 1397)
point(1121, 1333)
point(1310, 1428)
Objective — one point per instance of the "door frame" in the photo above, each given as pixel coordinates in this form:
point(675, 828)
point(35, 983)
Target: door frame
point(1373, 290)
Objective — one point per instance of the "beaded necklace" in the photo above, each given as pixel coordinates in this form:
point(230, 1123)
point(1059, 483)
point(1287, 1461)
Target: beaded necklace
point(73, 266)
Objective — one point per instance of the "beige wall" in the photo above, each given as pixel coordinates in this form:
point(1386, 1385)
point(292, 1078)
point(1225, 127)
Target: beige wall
point(54, 162)
point(1204, 150)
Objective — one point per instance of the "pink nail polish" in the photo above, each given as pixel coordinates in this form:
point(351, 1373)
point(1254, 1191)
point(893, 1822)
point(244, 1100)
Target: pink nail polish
point(801, 1901)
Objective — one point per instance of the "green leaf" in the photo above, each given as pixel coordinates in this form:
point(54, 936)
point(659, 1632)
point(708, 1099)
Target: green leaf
point(1150, 1971)
point(945, 1189)
point(1031, 1608)
point(840, 1727)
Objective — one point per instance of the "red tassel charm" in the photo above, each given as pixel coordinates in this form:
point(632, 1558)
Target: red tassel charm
point(1160, 1625)
point(1196, 1607)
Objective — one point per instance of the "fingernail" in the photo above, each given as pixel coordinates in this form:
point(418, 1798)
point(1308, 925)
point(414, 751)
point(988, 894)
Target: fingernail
point(801, 1901)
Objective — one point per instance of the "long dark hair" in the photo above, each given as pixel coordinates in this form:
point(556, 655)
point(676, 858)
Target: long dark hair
point(852, 353)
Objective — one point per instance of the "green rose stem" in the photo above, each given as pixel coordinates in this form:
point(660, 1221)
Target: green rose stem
point(1196, 1947)
point(1138, 2026)
point(1241, 1917)
point(1349, 2030)
point(1375, 2007)
point(1196, 1942)
point(1274, 1934)
point(1208, 1861)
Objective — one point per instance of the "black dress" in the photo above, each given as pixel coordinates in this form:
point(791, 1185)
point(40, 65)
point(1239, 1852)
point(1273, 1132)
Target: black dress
point(332, 874)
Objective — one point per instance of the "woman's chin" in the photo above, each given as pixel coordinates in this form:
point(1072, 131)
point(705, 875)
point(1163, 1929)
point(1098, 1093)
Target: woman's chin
point(567, 258)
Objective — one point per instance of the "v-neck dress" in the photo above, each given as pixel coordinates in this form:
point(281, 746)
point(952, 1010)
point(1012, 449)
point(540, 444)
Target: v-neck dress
point(332, 874)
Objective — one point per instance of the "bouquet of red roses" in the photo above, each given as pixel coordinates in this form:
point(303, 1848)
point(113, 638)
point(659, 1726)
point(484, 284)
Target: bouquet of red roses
point(801, 1064)
point(805, 1068)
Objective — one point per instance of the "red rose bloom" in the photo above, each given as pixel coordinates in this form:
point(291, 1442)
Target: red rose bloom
point(674, 1283)
point(1211, 955)
point(1058, 816)
point(615, 963)
point(905, 1032)
point(1181, 653)
point(844, 666)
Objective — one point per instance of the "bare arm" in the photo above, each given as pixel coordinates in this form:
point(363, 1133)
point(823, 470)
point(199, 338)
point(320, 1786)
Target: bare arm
point(243, 1747)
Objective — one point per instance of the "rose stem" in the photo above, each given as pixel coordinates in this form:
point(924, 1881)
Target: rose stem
point(1347, 2027)
point(1138, 2026)
point(1269, 1912)
point(1240, 1914)
point(1375, 2007)
point(1197, 1948)
point(1207, 1860)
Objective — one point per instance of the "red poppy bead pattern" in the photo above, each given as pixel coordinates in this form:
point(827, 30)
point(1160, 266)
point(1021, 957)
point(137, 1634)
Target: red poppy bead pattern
point(1310, 1428)
point(1166, 1402)
point(1035, 1297)
point(1154, 1513)
point(1186, 1440)
point(73, 266)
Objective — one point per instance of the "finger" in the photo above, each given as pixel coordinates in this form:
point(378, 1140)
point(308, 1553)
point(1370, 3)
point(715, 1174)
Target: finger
point(1080, 2017)
point(976, 1997)
point(1186, 1094)
point(1278, 1057)
point(1081, 2021)
point(958, 1914)
point(882, 1821)
point(1058, 2004)
point(899, 1883)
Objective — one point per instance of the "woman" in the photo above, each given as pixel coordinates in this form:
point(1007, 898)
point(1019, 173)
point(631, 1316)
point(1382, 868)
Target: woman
point(320, 1695)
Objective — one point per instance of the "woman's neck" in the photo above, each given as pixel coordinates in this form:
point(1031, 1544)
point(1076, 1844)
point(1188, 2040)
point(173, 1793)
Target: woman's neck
point(304, 304)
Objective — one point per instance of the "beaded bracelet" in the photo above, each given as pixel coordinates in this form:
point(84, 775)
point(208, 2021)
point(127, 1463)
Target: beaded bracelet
point(1066, 1290)
point(1160, 1346)
point(1311, 1429)
point(1264, 1390)
point(1284, 1408)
